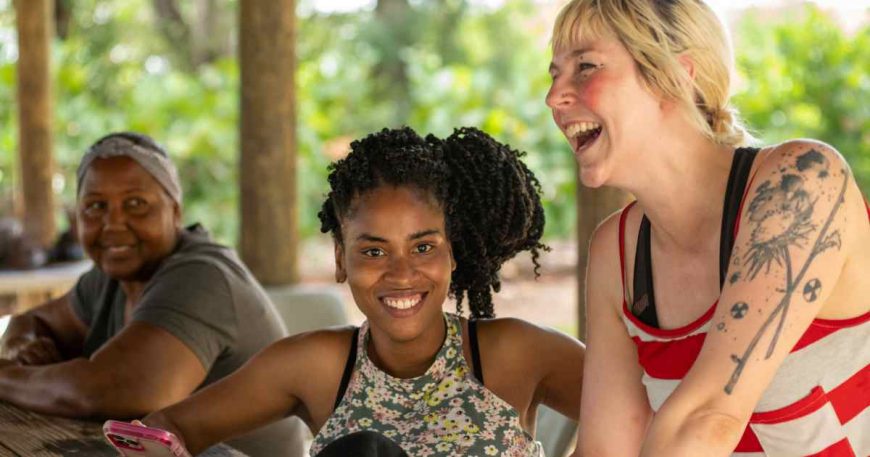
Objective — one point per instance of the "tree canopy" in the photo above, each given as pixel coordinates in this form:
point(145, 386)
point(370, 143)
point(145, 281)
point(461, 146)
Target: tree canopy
point(169, 69)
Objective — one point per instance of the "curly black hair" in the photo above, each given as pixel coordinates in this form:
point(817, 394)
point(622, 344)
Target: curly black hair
point(491, 200)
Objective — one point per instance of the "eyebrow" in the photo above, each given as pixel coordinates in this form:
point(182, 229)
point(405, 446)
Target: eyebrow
point(424, 233)
point(413, 236)
point(574, 55)
point(126, 192)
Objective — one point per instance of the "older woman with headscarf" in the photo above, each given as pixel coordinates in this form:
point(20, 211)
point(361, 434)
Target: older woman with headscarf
point(164, 311)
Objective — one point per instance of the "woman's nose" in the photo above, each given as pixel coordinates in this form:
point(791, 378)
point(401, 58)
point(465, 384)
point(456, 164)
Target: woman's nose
point(559, 95)
point(114, 216)
point(400, 269)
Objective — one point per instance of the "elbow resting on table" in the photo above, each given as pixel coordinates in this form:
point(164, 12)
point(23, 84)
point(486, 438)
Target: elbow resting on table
point(83, 391)
point(71, 403)
point(79, 395)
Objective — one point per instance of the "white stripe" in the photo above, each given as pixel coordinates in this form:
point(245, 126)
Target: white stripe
point(802, 436)
point(827, 363)
point(858, 431)
point(635, 331)
point(658, 390)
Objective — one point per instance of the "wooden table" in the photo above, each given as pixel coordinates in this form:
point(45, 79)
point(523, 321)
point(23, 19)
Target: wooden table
point(29, 288)
point(27, 434)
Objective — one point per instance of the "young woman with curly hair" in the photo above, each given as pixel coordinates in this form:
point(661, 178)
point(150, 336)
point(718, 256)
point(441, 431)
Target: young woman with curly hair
point(414, 221)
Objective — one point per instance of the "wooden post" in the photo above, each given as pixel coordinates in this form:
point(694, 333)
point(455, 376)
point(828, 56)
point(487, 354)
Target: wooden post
point(35, 30)
point(267, 165)
point(593, 206)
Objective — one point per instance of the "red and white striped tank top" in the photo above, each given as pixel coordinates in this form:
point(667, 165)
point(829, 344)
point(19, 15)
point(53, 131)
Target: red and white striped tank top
point(818, 403)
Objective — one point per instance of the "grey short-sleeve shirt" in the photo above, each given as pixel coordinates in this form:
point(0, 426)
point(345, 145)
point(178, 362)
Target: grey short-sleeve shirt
point(203, 295)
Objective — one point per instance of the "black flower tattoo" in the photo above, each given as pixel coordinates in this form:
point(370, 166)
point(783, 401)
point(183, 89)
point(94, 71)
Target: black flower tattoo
point(781, 217)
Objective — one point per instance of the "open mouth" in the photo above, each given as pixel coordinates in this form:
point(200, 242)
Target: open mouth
point(116, 250)
point(583, 134)
point(404, 305)
point(403, 302)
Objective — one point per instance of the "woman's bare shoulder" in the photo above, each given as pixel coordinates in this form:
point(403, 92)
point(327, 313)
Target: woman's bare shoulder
point(318, 349)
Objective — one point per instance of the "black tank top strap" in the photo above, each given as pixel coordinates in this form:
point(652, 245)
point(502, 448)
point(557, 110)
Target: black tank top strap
point(644, 297)
point(348, 368)
point(475, 349)
point(734, 194)
point(644, 307)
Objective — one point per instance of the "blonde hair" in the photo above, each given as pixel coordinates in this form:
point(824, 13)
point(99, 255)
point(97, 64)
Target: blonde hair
point(657, 33)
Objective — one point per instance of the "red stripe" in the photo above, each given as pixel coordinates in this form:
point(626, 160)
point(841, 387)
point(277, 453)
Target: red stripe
point(803, 407)
point(812, 334)
point(821, 328)
point(669, 359)
point(841, 448)
point(852, 396)
point(844, 323)
point(748, 442)
point(673, 332)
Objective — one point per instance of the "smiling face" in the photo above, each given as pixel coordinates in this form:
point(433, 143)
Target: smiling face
point(601, 105)
point(127, 223)
point(398, 261)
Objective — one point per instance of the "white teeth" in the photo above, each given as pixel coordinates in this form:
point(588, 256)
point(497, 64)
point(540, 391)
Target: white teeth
point(580, 127)
point(402, 303)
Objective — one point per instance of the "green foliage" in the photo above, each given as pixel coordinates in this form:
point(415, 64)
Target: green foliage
point(466, 65)
point(806, 78)
point(471, 78)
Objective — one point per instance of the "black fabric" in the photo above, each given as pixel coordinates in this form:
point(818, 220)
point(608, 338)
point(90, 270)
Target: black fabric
point(644, 307)
point(475, 350)
point(737, 181)
point(348, 370)
point(363, 444)
point(644, 296)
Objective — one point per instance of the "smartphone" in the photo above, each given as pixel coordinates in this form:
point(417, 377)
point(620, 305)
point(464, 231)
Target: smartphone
point(139, 441)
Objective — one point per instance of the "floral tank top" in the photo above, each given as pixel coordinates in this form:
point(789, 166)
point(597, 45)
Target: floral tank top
point(444, 412)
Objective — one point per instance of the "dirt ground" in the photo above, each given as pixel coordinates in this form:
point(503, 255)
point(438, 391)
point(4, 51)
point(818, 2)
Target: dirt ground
point(551, 300)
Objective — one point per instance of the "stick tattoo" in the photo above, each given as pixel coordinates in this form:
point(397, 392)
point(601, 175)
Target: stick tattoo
point(781, 215)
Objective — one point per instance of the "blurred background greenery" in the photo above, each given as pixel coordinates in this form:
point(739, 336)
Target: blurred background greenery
point(168, 68)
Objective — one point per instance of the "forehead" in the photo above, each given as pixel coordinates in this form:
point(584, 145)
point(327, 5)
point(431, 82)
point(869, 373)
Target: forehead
point(606, 45)
point(117, 173)
point(387, 209)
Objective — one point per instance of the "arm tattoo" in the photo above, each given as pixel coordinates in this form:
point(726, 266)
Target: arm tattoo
point(782, 217)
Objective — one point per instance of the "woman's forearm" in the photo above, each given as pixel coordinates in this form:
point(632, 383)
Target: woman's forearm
point(65, 389)
point(163, 421)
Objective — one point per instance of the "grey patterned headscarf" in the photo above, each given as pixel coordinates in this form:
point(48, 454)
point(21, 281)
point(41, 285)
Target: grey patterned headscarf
point(141, 148)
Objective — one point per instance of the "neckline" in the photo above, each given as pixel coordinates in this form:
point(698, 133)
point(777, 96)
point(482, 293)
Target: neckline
point(436, 371)
point(681, 331)
point(739, 180)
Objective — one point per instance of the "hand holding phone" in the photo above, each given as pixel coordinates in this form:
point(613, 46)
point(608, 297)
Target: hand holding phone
point(141, 441)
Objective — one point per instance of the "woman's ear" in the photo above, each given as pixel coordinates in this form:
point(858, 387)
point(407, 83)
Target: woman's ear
point(688, 64)
point(176, 214)
point(340, 272)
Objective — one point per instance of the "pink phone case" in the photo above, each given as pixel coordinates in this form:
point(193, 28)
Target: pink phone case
point(138, 441)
